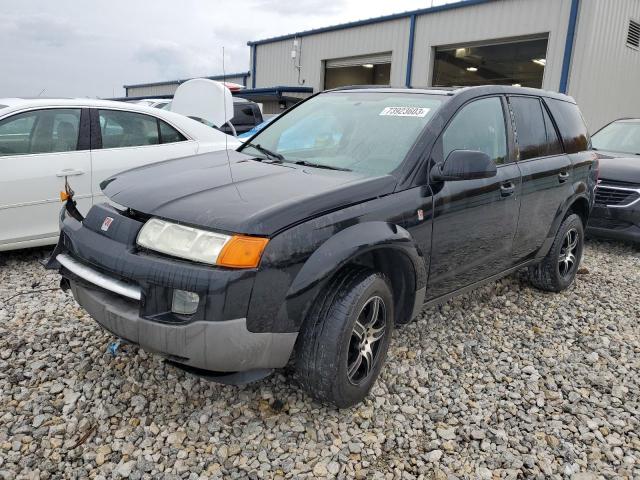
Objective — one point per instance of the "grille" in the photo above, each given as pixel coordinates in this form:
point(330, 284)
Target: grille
point(615, 196)
point(619, 183)
point(633, 35)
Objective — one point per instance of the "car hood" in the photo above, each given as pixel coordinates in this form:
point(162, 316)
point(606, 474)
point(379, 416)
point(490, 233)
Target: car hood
point(619, 168)
point(238, 193)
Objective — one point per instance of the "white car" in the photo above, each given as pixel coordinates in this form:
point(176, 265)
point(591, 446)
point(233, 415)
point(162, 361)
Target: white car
point(42, 141)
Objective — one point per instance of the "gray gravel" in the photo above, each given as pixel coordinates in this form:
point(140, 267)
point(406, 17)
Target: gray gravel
point(506, 382)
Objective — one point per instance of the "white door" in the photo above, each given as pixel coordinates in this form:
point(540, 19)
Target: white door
point(38, 148)
point(129, 140)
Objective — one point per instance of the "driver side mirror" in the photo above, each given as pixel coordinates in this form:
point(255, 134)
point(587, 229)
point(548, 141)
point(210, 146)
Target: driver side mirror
point(464, 165)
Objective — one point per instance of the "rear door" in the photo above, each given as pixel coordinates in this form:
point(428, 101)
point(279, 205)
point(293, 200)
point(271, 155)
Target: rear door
point(38, 149)
point(474, 220)
point(122, 140)
point(546, 173)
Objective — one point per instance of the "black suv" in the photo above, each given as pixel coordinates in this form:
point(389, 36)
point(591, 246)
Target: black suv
point(332, 226)
point(246, 115)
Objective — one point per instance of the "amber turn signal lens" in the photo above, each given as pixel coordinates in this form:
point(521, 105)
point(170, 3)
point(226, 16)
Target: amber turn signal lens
point(242, 252)
point(64, 196)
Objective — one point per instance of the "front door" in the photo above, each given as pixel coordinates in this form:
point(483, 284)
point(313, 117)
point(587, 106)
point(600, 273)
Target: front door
point(474, 220)
point(38, 149)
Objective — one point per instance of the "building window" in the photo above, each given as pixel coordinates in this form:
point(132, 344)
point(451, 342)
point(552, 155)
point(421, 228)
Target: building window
point(363, 70)
point(519, 63)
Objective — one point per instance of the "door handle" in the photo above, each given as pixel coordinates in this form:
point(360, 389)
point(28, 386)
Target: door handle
point(507, 189)
point(563, 176)
point(69, 172)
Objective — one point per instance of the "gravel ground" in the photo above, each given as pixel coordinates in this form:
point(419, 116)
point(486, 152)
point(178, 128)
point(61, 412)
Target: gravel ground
point(506, 382)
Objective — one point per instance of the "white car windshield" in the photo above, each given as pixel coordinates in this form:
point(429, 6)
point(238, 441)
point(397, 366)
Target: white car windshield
point(368, 132)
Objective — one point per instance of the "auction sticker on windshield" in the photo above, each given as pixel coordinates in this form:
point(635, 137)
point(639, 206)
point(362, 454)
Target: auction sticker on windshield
point(405, 111)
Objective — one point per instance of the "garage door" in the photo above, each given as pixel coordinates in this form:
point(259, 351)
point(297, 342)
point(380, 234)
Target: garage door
point(374, 69)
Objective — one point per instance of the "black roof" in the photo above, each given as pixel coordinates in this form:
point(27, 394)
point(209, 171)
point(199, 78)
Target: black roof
point(480, 90)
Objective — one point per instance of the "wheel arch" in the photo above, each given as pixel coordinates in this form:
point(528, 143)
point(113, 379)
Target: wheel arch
point(580, 206)
point(380, 246)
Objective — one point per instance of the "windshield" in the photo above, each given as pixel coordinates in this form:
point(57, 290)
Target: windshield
point(622, 136)
point(368, 132)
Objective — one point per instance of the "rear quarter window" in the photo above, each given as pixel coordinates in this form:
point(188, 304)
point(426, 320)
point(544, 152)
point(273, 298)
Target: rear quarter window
point(573, 130)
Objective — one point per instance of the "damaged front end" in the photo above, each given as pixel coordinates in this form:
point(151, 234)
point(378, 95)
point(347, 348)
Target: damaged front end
point(140, 296)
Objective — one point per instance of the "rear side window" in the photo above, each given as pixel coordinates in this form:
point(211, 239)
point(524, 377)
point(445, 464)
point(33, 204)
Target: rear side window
point(168, 134)
point(530, 130)
point(571, 125)
point(131, 129)
point(40, 131)
point(554, 146)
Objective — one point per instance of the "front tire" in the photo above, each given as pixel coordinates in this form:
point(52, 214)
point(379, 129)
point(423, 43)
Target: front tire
point(557, 270)
point(344, 342)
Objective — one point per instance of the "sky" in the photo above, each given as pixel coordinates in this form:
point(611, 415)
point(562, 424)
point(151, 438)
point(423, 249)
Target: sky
point(79, 48)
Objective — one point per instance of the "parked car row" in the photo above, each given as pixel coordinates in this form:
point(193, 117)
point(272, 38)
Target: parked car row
point(331, 226)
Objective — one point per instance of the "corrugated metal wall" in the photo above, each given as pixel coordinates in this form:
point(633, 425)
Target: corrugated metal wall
point(276, 67)
point(605, 73)
point(496, 20)
point(168, 88)
point(493, 20)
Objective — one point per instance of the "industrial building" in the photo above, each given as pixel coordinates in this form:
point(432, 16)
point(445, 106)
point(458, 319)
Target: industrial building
point(589, 49)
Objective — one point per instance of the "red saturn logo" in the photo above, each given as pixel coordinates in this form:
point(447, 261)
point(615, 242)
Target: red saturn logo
point(106, 224)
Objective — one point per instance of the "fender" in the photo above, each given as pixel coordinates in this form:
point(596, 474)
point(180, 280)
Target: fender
point(562, 212)
point(342, 248)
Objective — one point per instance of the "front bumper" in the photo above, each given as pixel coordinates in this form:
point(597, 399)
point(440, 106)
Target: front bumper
point(128, 292)
point(616, 223)
point(225, 346)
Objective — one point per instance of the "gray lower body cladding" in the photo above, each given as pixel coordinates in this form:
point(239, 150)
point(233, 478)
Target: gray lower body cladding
point(221, 346)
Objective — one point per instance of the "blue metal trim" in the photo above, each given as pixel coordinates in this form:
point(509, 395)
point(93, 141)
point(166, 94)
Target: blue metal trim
point(273, 90)
point(253, 66)
point(568, 46)
point(276, 91)
point(412, 34)
point(244, 75)
point(371, 21)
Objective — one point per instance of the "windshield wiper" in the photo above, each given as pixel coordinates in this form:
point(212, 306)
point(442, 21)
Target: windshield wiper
point(265, 151)
point(320, 165)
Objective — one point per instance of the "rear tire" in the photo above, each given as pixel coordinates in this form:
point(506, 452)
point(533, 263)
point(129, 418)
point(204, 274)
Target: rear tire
point(343, 343)
point(558, 269)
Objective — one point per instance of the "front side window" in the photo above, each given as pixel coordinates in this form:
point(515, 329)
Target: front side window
point(621, 137)
point(368, 132)
point(40, 131)
point(531, 134)
point(479, 126)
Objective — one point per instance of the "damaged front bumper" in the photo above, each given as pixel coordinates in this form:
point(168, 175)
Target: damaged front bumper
point(128, 292)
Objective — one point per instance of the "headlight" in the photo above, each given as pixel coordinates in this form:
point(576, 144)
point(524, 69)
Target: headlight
point(201, 245)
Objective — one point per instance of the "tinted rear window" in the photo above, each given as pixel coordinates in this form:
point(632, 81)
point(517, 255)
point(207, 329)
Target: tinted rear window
point(571, 125)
